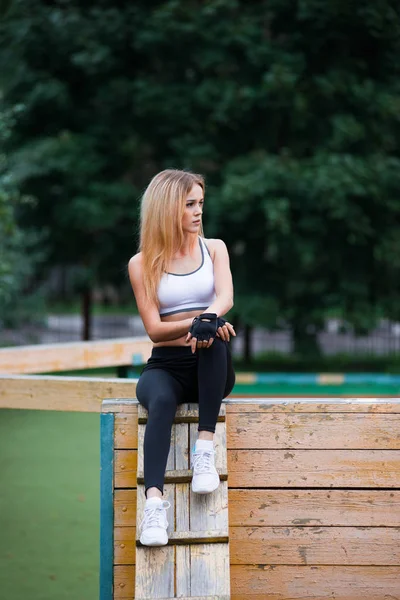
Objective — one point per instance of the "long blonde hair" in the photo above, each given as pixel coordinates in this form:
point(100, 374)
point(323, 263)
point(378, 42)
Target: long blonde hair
point(162, 208)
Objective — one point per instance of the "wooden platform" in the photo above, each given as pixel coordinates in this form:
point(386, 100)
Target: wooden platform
point(195, 564)
point(314, 499)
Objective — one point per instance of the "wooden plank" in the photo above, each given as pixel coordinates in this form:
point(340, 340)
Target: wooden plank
point(190, 416)
point(82, 394)
point(182, 510)
point(180, 476)
point(124, 582)
point(124, 406)
point(155, 571)
point(314, 468)
point(106, 505)
point(196, 537)
point(317, 507)
point(49, 358)
point(124, 545)
point(124, 508)
point(315, 430)
point(291, 405)
point(250, 582)
point(209, 564)
point(126, 431)
point(209, 570)
point(315, 545)
point(372, 508)
point(125, 468)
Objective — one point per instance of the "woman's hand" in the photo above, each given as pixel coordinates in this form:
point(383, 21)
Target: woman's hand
point(224, 331)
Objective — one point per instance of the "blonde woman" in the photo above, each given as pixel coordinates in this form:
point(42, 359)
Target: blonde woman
point(183, 286)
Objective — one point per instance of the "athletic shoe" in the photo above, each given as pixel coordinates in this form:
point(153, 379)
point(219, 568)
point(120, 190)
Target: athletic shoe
point(205, 476)
point(154, 525)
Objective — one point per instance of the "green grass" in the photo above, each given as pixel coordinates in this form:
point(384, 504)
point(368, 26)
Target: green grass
point(49, 505)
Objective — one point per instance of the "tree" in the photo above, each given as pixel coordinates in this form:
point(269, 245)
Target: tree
point(289, 107)
point(19, 254)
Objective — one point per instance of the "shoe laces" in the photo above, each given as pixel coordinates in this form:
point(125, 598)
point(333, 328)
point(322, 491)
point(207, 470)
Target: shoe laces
point(202, 461)
point(152, 515)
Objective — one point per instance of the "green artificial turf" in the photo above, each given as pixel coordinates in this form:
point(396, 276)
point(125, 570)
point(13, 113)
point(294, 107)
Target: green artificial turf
point(49, 505)
point(320, 391)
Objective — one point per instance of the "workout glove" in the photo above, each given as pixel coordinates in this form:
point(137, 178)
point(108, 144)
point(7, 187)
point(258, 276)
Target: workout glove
point(204, 327)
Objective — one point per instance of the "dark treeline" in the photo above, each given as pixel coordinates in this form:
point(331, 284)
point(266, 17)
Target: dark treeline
point(290, 108)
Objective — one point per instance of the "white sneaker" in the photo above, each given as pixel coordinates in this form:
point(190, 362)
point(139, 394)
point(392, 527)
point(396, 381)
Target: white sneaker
point(205, 476)
point(154, 524)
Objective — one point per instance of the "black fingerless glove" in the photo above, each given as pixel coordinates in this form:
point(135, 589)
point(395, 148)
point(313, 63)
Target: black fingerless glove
point(204, 327)
point(220, 322)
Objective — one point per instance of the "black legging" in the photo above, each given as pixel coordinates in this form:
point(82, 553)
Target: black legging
point(174, 375)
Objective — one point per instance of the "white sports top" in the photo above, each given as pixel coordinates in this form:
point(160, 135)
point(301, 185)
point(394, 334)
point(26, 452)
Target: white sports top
point(179, 292)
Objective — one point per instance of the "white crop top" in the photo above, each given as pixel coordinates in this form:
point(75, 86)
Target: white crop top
point(188, 291)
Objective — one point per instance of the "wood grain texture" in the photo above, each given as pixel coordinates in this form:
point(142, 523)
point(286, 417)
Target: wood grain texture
point(124, 508)
point(314, 431)
point(155, 566)
point(253, 582)
point(363, 508)
point(124, 545)
point(314, 468)
point(196, 537)
point(294, 405)
point(125, 466)
point(48, 358)
point(126, 431)
point(124, 582)
point(46, 392)
point(376, 546)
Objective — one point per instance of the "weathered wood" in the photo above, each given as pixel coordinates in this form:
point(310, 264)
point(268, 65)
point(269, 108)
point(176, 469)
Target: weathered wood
point(48, 358)
point(195, 537)
point(180, 476)
point(364, 508)
point(195, 598)
point(185, 413)
point(279, 582)
point(314, 468)
point(315, 545)
point(313, 431)
point(182, 510)
point(46, 392)
point(295, 405)
point(189, 417)
point(125, 468)
point(155, 566)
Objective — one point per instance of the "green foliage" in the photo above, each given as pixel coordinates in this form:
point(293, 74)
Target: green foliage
point(291, 109)
point(18, 250)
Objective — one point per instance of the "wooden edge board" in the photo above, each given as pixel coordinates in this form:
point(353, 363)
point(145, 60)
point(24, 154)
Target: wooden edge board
point(195, 537)
point(190, 417)
point(188, 598)
point(181, 476)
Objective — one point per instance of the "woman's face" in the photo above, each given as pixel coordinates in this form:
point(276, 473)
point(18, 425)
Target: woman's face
point(193, 210)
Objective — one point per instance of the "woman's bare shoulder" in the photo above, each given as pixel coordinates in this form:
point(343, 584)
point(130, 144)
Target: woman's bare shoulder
point(135, 268)
point(215, 246)
point(136, 260)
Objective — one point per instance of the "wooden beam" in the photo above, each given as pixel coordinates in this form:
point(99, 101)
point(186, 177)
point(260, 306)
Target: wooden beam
point(47, 392)
point(49, 358)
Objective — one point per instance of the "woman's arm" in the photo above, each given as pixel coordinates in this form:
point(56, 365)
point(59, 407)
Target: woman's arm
point(223, 290)
point(157, 330)
point(222, 280)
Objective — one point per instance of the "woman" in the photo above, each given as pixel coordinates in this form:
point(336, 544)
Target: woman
point(182, 285)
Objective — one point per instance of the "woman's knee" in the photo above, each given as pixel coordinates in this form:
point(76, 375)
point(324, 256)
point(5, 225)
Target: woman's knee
point(162, 405)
